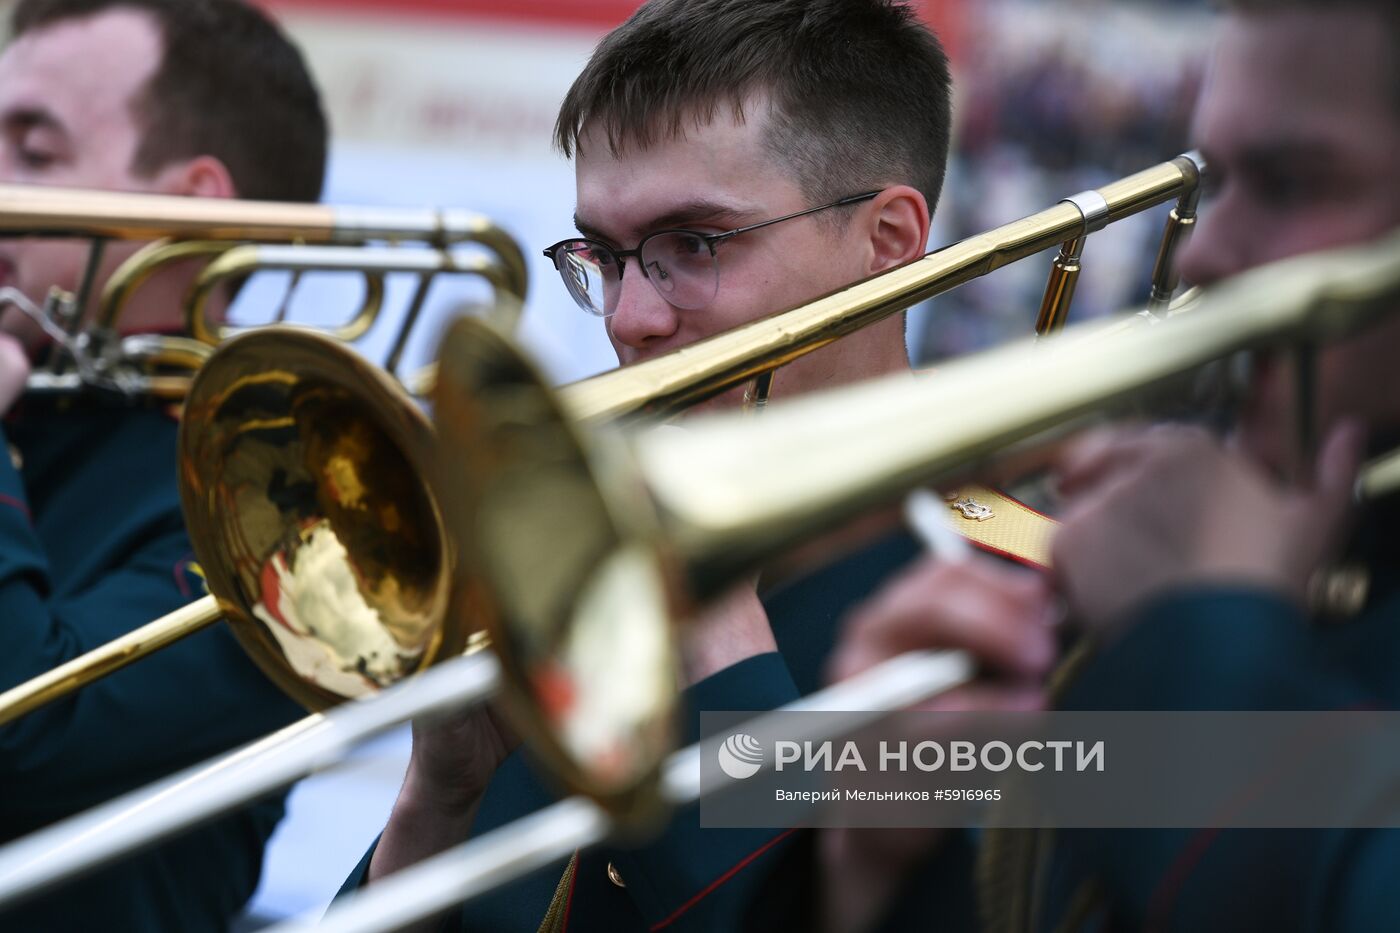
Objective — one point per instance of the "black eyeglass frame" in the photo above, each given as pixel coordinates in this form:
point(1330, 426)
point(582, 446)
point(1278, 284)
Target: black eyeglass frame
point(711, 240)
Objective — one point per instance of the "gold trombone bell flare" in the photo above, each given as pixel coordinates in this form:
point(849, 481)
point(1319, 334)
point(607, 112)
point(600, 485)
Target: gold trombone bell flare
point(302, 481)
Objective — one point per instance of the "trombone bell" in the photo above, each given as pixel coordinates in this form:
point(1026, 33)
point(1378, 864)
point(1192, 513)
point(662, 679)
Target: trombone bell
point(555, 562)
point(303, 490)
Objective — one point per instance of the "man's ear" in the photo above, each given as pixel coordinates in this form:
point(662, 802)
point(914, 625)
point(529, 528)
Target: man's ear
point(201, 177)
point(898, 226)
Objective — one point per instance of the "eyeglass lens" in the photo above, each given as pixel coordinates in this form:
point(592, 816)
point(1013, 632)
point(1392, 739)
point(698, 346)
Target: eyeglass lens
point(679, 265)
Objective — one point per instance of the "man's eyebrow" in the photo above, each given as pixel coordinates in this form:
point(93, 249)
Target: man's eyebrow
point(588, 230)
point(710, 213)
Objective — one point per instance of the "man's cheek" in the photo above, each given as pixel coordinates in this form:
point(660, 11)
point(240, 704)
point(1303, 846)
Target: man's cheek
point(743, 307)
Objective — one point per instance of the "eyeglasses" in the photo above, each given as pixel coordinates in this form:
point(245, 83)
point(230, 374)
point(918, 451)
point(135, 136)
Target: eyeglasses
point(680, 264)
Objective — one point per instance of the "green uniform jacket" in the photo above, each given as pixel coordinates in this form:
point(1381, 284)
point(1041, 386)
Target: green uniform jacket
point(1232, 648)
point(689, 878)
point(1216, 648)
point(92, 545)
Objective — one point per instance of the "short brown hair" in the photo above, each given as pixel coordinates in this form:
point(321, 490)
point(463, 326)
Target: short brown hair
point(230, 85)
point(860, 89)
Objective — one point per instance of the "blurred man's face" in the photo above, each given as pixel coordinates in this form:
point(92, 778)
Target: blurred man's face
point(67, 118)
point(718, 177)
point(1300, 126)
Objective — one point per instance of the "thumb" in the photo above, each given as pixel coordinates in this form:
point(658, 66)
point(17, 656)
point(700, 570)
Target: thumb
point(1334, 476)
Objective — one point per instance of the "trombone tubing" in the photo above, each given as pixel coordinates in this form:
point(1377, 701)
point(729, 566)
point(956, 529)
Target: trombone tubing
point(147, 815)
point(748, 489)
point(665, 384)
point(113, 656)
point(669, 383)
point(39, 210)
point(549, 835)
point(999, 398)
point(732, 491)
point(29, 210)
point(370, 261)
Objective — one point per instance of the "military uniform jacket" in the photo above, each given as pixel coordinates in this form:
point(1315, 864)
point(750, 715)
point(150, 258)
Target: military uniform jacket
point(689, 878)
point(92, 545)
point(1234, 648)
point(1215, 648)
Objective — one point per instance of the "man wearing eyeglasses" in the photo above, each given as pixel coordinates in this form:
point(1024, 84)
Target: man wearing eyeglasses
point(685, 236)
point(733, 159)
point(682, 264)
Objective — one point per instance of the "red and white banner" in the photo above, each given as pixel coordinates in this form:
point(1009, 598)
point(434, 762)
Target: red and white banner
point(483, 76)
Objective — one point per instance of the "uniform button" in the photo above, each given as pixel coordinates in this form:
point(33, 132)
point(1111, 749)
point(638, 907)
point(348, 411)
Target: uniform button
point(16, 458)
point(1339, 593)
point(615, 876)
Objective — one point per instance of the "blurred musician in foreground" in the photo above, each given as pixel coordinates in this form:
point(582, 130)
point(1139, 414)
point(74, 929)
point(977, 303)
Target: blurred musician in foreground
point(733, 159)
point(1186, 560)
point(183, 97)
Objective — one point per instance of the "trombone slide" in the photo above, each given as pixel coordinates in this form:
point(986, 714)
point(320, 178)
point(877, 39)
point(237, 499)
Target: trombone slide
point(147, 815)
point(551, 834)
point(113, 656)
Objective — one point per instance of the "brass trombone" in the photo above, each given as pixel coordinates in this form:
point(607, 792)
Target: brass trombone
point(670, 383)
point(325, 464)
point(141, 364)
point(729, 492)
point(657, 387)
point(660, 386)
point(98, 357)
point(665, 519)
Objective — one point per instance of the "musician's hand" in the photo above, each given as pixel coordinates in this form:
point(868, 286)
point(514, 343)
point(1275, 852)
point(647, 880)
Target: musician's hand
point(729, 630)
point(1004, 616)
point(1166, 507)
point(455, 757)
point(452, 762)
point(14, 371)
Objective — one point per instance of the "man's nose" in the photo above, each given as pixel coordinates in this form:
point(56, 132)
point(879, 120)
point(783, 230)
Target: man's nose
point(1219, 247)
point(642, 316)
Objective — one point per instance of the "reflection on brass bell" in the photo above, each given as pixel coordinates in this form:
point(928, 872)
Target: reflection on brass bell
point(615, 876)
point(16, 458)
